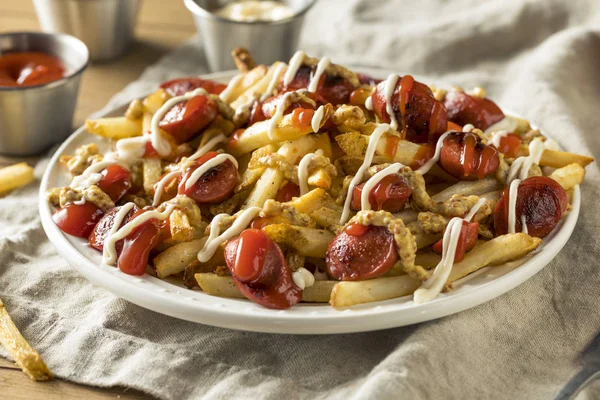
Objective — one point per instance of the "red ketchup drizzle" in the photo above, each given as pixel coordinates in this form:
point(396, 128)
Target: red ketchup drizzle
point(356, 229)
point(302, 117)
point(260, 271)
point(250, 255)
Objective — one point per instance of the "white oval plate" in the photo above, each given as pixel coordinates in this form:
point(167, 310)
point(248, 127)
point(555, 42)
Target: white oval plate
point(172, 298)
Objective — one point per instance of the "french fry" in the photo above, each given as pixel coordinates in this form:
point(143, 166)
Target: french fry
point(15, 176)
point(557, 159)
point(346, 294)
point(327, 216)
point(309, 242)
point(257, 135)
point(152, 171)
point(146, 122)
point(467, 188)
point(114, 127)
point(135, 111)
point(250, 78)
point(270, 181)
point(179, 224)
point(224, 286)
point(155, 101)
point(311, 201)
point(569, 176)
point(319, 292)
point(275, 72)
point(355, 144)
point(497, 251)
point(174, 259)
point(221, 286)
point(19, 350)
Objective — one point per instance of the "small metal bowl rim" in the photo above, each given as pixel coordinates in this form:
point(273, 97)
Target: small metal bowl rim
point(57, 82)
point(196, 9)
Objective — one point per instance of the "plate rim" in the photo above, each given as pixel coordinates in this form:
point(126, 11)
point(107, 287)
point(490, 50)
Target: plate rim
point(136, 289)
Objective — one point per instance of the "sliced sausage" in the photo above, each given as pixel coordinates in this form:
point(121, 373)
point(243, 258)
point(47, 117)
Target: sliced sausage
point(215, 185)
point(260, 271)
point(464, 109)
point(420, 116)
point(466, 241)
point(115, 181)
point(361, 252)
point(287, 192)
point(330, 89)
point(365, 79)
point(133, 258)
point(390, 194)
point(185, 120)
point(540, 199)
point(178, 87)
point(101, 230)
point(77, 219)
point(465, 157)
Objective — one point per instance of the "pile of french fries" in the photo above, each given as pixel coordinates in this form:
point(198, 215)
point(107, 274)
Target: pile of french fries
point(305, 226)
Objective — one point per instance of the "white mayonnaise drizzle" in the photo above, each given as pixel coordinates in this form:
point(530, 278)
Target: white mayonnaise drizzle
point(161, 184)
point(215, 238)
point(497, 136)
point(160, 144)
point(436, 156)
point(80, 202)
point(274, 81)
point(317, 118)
point(230, 86)
point(524, 224)
point(434, 285)
point(468, 128)
point(369, 103)
point(131, 149)
point(303, 170)
point(507, 123)
point(279, 109)
point(521, 166)
point(365, 204)
point(303, 278)
point(373, 139)
point(295, 63)
point(213, 162)
point(91, 175)
point(165, 180)
point(390, 86)
point(109, 252)
point(513, 191)
point(321, 67)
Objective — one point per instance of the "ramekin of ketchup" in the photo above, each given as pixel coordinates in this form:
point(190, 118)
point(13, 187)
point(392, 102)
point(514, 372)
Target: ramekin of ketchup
point(39, 83)
point(29, 68)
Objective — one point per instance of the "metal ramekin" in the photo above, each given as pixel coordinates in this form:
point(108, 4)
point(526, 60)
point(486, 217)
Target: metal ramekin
point(33, 118)
point(268, 41)
point(105, 26)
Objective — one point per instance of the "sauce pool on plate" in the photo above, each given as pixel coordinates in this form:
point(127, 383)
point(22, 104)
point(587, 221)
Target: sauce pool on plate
point(250, 11)
point(29, 69)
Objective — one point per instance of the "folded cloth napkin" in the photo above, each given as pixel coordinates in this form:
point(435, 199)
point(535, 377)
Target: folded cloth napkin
point(541, 58)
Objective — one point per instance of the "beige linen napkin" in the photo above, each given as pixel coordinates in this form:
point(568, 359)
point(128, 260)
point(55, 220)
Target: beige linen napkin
point(541, 58)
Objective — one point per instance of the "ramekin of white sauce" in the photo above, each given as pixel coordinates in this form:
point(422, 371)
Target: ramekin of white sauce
point(255, 10)
point(269, 29)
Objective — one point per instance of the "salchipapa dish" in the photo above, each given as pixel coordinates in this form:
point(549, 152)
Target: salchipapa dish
point(309, 182)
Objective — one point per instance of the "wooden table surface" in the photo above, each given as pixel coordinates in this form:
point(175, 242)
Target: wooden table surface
point(158, 32)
